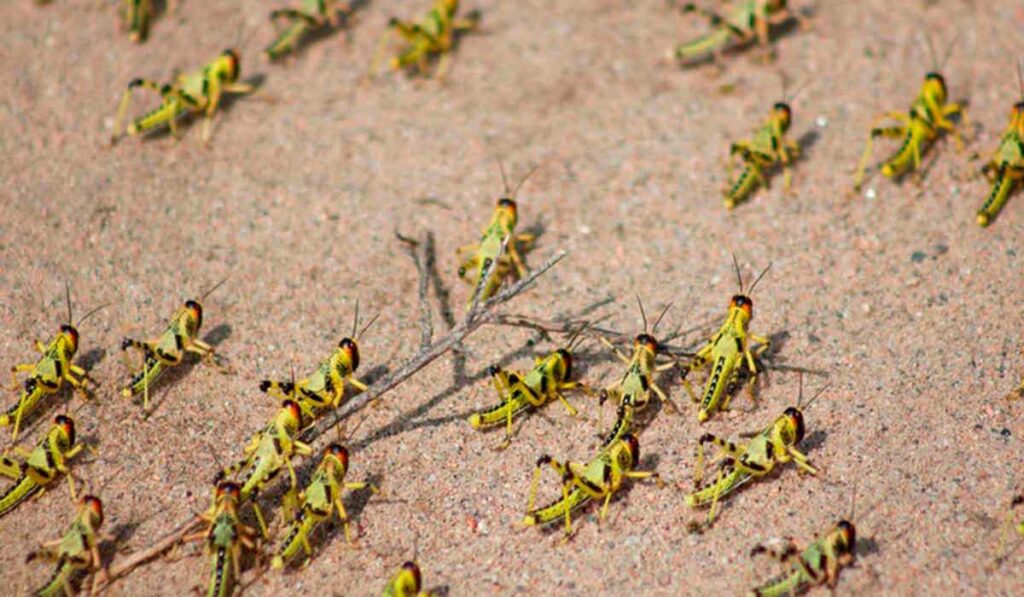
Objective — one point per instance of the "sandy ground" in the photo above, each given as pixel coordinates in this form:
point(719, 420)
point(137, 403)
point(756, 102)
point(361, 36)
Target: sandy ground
point(912, 309)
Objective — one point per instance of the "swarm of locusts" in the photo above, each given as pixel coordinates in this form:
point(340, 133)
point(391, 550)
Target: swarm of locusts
point(235, 529)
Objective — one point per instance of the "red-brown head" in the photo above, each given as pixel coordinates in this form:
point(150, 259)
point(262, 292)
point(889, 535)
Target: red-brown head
point(350, 349)
point(338, 451)
point(848, 536)
point(233, 64)
point(66, 425)
point(71, 336)
point(743, 303)
point(412, 572)
point(94, 506)
point(633, 445)
point(784, 114)
point(646, 341)
point(196, 311)
point(795, 418)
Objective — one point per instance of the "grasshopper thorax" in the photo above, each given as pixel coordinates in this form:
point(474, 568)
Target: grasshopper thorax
point(784, 114)
point(410, 578)
point(196, 311)
point(338, 452)
point(566, 357)
point(66, 427)
point(935, 86)
point(792, 426)
point(847, 536)
point(233, 69)
point(350, 350)
point(94, 508)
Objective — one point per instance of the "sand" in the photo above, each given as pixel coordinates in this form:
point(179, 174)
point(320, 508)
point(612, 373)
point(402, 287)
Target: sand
point(912, 309)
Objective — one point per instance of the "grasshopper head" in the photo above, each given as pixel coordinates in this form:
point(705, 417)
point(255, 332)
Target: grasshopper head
point(67, 426)
point(94, 507)
point(646, 341)
point(339, 452)
point(566, 356)
point(935, 87)
point(847, 536)
point(793, 425)
point(233, 69)
point(452, 6)
point(632, 445)
point(350, 350)
point(508, 210)
point(743, 303)
point(196, 311)
point(409, 578)
point(1017, 115)
point(228, 489)
point(291, 410)
point(783, 113)
point(70, 335)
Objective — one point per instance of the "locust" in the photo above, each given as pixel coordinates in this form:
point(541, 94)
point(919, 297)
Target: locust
point(269, 450)
point(550, 376)
point(599, 479)
point(136, 15)
point(320, 499)
point(168, 350)
point(499, 243)
point(1005, 169)
point(226, 537)
point(324, 389)
point(407, 582)
point(928, 116)
point(753, 460)
point(633, 390)
point(47, 375)
point(745, 22)
point(818, 564)
point(39, 468)
point(200, 91)
point(433, 37)
point(76, 553)
point(311, 17)
point(726, 352)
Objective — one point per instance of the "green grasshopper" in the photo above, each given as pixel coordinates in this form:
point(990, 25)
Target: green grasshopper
point(748, 20)
point(547, 380)
point(818, 564)
point(311, 17)
point(324, 389)
point(726, 351)
point(753, 460)
point(633, 390)
point(434, 36)
point(1006, 166)
point(599, 479)
point(499, 242)
point(76, 552)
point(225, 537)
point(136, 15)
point(320, 499)
point(40, 467)
point(407, 582)
point(168, 350)
point(267, 452)
point(196, 92)
point(47, 375)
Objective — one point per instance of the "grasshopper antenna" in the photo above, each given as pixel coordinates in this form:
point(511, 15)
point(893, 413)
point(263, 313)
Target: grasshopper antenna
point(800, 404)
point(663, 312)
point(91, 313)
point(67, 297)
point(739, 276)
point(355, 320)
point(1020, 77)
point(504, 178)
point(643, 315)
point(212, 288)
point(367, 326)
point(522, 181)
point(763, 272)
point(931, 52)
point(949, 50)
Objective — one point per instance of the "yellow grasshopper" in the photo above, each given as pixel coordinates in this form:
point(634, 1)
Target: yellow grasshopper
point(434, 36)
point(226, 536)
point(324, 389)
point(198, 92)
point(76, 552)
point(47, 375)
point(726, 351)
point(407, 582)
point(547, 380)
point(599, 479)
point(1006, 166)
point(746, 21)
point(168, 350)
point(817, 564)
point(313, 16)
point(499, 243)
point(40, 467)
point(136, 15)
point(320, 499)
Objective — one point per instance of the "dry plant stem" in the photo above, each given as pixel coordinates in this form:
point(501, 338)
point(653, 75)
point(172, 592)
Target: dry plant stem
point(571, 326)
point(422, 255)
point(474, 319)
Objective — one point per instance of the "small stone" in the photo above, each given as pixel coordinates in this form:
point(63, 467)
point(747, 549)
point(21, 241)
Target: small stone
point(870, 193)
point(821, 121)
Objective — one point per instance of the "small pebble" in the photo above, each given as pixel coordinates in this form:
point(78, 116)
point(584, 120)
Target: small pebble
point(821, 121)
point(870, 193)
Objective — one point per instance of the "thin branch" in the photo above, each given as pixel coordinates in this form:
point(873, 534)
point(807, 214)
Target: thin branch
point(570, 326)
point(123, 566)
point(422, 255)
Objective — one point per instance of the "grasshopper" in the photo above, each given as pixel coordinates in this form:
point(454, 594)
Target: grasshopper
point(324, 388)
point(136, 15)
point(753, 460)
point(168, 350)
point(746, 21)
point(818, 564)
point(768, 147)
point(547, 380)
point(312, 16)
point(928, 116)
point(320, 499)
point(268, 451)
point(633, 390)
point(47, 375)
point(40, 467)
point(225, 537)
point(193, 93)
point(726, 351)
point(1006, 166)
point(76, 552)
point(407, 582)
point(599, 479)
point(499, 242)
point(434, 36)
